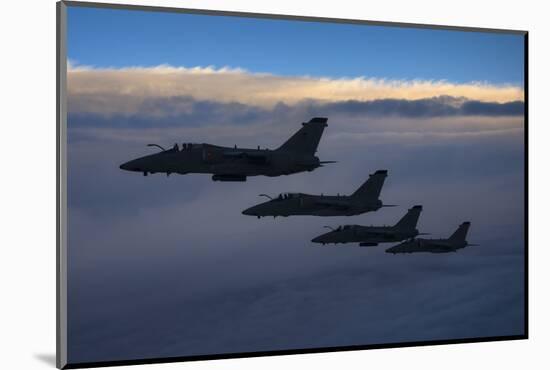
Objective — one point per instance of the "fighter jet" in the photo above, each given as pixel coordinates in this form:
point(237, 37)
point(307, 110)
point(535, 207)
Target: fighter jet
point(365, 199)
point(455, 242)
point(297, 154)
point(370, 236)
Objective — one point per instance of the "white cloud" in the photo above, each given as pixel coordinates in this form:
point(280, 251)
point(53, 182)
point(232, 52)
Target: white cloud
point(123, 90)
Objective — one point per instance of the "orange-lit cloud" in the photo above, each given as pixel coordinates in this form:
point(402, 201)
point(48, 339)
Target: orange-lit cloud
point(123, 90)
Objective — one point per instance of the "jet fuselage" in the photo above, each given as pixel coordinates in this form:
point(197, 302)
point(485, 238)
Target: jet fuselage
point(427, 246)
point(364, 199)
point(296, 155)
point(299, 204)
point(367, 235)
point(452, 244)
point(223, 161)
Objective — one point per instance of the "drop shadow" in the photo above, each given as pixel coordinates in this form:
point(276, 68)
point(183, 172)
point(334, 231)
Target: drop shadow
point(47, 358)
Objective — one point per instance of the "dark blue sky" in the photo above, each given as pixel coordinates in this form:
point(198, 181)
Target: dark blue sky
point(119, 38)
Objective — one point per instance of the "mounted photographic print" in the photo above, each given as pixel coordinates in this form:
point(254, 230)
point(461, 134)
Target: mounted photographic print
point(235, 185)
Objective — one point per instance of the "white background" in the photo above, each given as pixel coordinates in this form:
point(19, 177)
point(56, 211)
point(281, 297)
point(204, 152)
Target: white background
point(27, 231)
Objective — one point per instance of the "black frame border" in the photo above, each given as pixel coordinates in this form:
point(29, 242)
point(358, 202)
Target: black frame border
point(61, 335)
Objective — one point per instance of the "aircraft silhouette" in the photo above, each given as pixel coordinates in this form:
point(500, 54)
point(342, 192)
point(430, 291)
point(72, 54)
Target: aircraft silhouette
point(370, 236)
point(296, 155)
point(452, 244)
point(364, 199)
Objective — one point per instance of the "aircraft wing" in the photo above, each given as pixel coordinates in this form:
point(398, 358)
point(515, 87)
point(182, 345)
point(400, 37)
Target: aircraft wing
point(253, 157)
point(442, 248)
point(379, 233)
point(332, 203)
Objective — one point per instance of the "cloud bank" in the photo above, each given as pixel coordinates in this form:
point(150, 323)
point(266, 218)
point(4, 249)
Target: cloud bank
point(133, 90)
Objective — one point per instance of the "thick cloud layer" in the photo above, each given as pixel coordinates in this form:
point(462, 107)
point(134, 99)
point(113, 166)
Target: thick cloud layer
point(186, 111)
point(123, 91)
point(168, 266)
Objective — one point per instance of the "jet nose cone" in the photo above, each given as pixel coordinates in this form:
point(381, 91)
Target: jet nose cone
point(134, 165)
point(319, 239)
point(249, 212)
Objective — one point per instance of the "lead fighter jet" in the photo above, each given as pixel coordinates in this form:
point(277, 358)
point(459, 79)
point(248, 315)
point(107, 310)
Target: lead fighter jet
point(365, 199)
point(370, 236)
point(452, 244)
point(296, 155)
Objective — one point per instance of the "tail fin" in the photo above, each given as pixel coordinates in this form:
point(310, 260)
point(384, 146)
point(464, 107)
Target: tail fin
point(460, 233)
point(370, 190)
point(410, 219)
point(306, 139)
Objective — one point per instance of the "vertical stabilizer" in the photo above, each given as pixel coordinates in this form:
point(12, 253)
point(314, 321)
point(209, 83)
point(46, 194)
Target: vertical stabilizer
point(460, 233)
point(306, 139)
point(410, 219)
point(371, 189)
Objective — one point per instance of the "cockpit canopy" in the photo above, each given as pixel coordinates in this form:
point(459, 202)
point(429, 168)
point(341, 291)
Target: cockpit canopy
point(189, 146)
point(284, 196)
point(345, 227)
point(176, 148)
